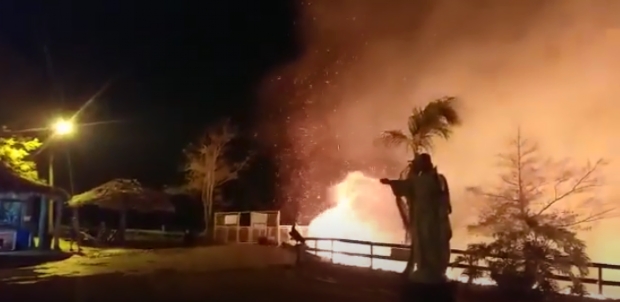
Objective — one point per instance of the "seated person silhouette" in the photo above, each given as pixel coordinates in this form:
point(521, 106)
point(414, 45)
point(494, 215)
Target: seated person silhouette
point(295, 235)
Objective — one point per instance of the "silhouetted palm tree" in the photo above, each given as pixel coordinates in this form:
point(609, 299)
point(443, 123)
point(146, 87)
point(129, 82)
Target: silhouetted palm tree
point(436, 119)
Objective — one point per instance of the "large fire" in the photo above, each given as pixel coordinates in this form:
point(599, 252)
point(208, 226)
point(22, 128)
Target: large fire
point(365, 210)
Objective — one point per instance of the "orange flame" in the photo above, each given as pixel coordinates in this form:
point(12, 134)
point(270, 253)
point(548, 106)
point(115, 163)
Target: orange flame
point(365, 210)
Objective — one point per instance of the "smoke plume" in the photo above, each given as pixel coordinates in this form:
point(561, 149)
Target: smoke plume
point(549, 67)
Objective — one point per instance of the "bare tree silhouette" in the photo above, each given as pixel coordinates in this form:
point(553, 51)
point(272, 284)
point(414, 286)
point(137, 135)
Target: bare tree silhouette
point(533, 213)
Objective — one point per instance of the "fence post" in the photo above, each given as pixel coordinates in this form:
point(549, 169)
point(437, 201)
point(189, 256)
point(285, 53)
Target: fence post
point(316, 244)
point(600, 280)
point(332, 250)
point(298, 252)
point(238, 234)
point(470, 264)
point(372, 255)
point(278, 234)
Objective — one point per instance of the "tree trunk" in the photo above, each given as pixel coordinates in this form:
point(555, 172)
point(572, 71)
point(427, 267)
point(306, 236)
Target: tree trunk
point(409, 267)
point(211, 218)
point(404, 216)
point(410, 261)
point(208, 220)
point(57, 222)
point(207, 206)
point(122, 225)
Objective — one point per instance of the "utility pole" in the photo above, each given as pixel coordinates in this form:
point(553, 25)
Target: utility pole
point(52, 209)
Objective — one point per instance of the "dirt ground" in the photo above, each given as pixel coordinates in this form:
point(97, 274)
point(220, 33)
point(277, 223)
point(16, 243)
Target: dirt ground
point(241, 273)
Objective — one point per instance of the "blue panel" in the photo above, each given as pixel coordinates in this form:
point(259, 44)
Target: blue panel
point(22, 239)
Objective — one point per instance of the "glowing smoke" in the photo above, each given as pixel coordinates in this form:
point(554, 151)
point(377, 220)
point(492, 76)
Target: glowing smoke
point(549, 66)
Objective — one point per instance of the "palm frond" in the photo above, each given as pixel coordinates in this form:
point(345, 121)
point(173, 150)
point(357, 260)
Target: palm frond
point(446, 109)
point(394, 138)
point(436, 119)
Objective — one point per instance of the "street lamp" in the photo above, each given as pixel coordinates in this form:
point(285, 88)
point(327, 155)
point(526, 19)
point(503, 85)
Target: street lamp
point(63, 127)
point(60, 128)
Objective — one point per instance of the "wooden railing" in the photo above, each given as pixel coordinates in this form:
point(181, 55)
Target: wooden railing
point(403, 257)
point(130, 233)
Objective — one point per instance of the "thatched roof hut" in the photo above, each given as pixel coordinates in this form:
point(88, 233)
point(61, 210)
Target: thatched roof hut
point(124, 194)
point(15, 197)
point(14, 185)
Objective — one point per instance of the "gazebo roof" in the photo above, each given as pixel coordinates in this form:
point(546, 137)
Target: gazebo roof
point(121, 194)
point(13, 183)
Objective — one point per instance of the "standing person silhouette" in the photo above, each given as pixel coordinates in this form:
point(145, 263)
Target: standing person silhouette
point(426, 192)
point(75, 235)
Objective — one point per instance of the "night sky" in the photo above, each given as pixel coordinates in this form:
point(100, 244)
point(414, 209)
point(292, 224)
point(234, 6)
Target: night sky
point(165, 71)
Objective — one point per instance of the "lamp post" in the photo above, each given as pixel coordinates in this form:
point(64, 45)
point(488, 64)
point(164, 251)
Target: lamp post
point(60, 129)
